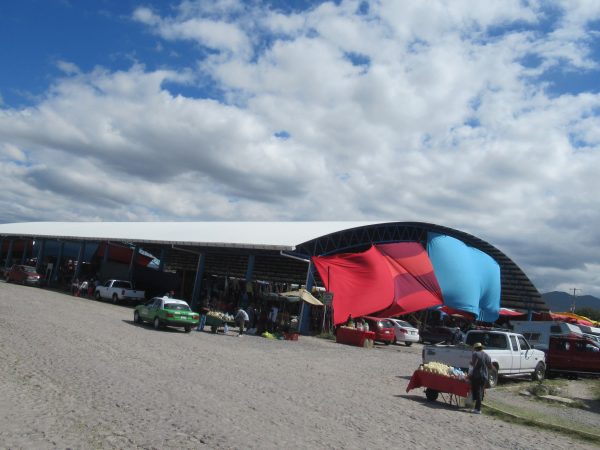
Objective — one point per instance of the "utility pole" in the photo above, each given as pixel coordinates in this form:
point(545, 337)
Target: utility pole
point(574, 299)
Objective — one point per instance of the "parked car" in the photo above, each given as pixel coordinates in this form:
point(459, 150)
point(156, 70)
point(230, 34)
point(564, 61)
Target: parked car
point(437, 335)
point(23, 274)
point(166, 311)
point(573, 355)
point(404, 332)
point(510, 353)
point(383, 329)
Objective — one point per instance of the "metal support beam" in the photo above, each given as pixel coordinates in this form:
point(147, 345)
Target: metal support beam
point(79, 260)
point(24, 253)
point(198, 280)
point(106, 252)
point(136, 251)
point(9, 254)
point(161, 264)
point(41, 255)
point(56, 267)
point(305, 309)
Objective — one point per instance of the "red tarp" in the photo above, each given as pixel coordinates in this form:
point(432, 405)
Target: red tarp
point(122, 254)
point(386, 280)
point(510, 312)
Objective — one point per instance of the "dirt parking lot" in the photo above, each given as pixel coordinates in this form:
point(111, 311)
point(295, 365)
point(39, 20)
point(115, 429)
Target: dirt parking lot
point(78, 373)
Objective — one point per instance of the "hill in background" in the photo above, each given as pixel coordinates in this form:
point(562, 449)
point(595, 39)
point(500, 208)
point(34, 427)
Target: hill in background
point(562, 301)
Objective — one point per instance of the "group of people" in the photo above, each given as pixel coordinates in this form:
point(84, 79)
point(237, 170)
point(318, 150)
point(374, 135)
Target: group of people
point(84, 288)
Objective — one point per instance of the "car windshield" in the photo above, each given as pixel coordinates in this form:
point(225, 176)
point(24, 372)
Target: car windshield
point(402, 323)
point(177, 306)
point(385, 324)
point(29, 269)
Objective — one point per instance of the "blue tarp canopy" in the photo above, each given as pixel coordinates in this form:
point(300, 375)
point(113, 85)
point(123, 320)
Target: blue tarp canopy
point(468, 277)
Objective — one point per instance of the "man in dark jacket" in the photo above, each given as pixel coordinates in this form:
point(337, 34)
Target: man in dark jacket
point(481, 364)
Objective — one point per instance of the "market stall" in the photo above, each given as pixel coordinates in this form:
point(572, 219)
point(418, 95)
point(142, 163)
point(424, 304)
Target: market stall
point(439, 379)
point(354, 336)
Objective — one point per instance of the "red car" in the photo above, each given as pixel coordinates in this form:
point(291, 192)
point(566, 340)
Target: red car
point(24, 275)
point(573, 355)
point(383, 329)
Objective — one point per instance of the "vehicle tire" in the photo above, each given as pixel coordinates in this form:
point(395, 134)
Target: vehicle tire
point(539, 372)
point(493, 377)
point(431, 394)
point(156, 323)
point(187, 328)
point(136, 317)
point(97, 295)
point(408, 344)
point(387, 342)
point(395, 341)
point(115, 298)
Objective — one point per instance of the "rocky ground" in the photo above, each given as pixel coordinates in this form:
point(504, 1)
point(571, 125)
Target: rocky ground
point(78, 373)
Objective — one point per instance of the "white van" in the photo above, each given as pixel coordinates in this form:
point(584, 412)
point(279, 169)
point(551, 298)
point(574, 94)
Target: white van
point(538, 333)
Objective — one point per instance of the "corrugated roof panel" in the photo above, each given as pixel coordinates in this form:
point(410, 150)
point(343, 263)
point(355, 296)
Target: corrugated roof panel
point(266, 235)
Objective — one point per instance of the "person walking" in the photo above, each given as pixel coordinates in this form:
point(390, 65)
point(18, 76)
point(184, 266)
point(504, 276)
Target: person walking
point(481, 364)
point(241, 318)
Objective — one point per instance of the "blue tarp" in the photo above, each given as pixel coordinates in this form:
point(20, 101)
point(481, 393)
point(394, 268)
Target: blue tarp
point(469, 278)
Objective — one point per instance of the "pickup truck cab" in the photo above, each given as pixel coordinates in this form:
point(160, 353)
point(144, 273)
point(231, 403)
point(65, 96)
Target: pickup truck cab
point(510, 353)
point(573, 355)
point(118, 291)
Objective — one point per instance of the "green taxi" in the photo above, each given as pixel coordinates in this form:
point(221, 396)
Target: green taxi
point(166, 311)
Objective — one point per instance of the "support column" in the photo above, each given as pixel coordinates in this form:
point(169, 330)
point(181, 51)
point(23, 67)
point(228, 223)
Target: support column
point(249, 277)
point(79, 260)
point(56, 268)
point(9, 254)
point(198, 281)
point(106, 252)
point(136, 250)
point(41, 255)
point(24, 253)
point(305, 309)
point(161, 264)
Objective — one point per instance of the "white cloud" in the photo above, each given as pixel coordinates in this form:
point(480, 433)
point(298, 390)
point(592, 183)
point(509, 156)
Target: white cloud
point(416, 111)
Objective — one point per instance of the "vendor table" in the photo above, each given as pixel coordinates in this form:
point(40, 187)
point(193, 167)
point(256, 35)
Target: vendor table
point(353, 336)
point(439, 384)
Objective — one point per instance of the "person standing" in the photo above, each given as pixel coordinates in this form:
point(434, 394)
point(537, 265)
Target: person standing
point(241, 318)
point(481, 365)
point(204, 310)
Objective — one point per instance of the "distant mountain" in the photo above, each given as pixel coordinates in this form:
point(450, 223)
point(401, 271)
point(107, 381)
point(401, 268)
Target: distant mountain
point(562, 301)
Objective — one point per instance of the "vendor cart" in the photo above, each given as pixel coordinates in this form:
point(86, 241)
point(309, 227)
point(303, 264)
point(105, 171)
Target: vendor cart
point(452, 390)
point(215, 323)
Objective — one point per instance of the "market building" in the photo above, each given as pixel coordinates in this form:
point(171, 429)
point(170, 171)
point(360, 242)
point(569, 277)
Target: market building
point(199, 260)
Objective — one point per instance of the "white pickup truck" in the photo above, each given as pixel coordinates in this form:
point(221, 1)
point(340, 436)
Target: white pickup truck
point(510, 353)
point(118, 291)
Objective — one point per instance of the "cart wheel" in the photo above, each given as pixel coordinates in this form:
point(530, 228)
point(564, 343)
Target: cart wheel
point(431, 394)
point(213, 329)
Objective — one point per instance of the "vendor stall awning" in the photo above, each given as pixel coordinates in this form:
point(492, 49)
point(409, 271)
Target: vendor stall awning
point(303, 294)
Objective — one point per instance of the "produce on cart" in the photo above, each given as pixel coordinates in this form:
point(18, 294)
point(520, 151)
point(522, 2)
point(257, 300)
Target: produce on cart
point(217, 319)
point(439, 378)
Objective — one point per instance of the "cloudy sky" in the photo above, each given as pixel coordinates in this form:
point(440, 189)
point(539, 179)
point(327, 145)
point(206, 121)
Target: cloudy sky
point(480, 116)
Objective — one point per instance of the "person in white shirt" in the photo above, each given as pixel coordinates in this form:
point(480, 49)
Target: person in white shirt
point(241, 318)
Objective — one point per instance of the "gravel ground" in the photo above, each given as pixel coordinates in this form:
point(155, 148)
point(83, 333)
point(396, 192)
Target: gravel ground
point(78, 373)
